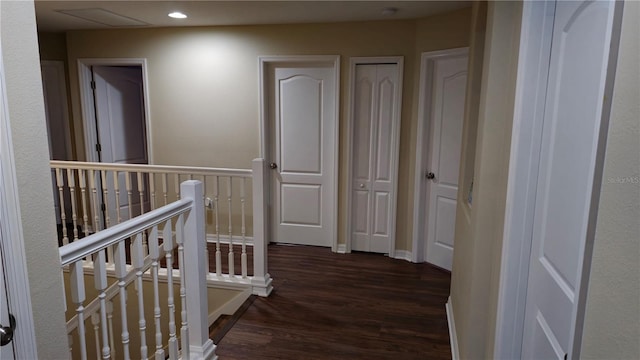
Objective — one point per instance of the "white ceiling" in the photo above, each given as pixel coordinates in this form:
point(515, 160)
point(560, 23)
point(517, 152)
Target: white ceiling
point(238, 12)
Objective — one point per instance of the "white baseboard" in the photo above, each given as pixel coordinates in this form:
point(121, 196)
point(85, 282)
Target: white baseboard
point(224, 239)
point(403, 255)
point(342, 248)
point(231, 306)
point(453, 335)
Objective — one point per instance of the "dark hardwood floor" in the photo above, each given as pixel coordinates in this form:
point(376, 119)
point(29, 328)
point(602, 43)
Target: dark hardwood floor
point(343, 306)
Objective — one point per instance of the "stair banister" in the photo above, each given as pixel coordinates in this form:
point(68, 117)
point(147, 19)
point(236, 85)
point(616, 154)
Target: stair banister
point(261, 280)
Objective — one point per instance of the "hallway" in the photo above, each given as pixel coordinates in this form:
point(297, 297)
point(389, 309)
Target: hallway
point(343, 306)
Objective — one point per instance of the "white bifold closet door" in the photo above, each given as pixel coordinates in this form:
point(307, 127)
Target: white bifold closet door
point(374, 157)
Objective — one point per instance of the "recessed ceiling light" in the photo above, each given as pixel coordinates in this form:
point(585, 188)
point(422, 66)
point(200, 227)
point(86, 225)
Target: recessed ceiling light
point(177, 15)
point(389, 11)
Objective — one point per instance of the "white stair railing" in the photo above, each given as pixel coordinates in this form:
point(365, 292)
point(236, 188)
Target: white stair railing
point(187, 214)
point(103, 195)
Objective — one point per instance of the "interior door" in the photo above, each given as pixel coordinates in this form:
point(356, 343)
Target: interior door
point(374, 157)
point(572, 117)
point(303, 100)
point(447, 114)
point(120, 121)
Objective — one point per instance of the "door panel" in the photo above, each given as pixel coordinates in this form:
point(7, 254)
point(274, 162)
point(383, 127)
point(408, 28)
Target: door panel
point(572, 116)
point(121, 133)
point(447, 115)
point(374, 141)
point(304, 123)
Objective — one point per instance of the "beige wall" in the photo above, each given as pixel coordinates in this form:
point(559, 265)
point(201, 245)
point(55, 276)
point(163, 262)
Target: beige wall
point(612, 321)
point(26, 115)
point(203, 85)
point(478, 239)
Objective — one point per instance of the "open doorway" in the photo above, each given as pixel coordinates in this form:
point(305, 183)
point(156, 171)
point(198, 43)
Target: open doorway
point(115, 121)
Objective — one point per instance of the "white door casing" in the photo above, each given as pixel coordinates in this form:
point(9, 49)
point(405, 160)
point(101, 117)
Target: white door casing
point(302, 107)
point(120, 122)
point(376, 87)
point(569, 154)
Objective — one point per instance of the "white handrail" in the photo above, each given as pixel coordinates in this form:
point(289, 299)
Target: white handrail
point(101, 240)
point(156, 169)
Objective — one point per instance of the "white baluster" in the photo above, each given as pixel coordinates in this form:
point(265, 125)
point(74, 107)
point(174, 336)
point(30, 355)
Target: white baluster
point(95, 321)
point(184, 325)
point(116, 191)
point(120, 261)
point(165, 189)
point(152, 190)
point(94, 197)
point(100, 278)
point(110, 324)
point(76, 277)
point(107, 220)
point(70, 339)
point(154, 253)
point(138, 262)
point(63, 214)
point(145, 246)
point(232, 271)
point(206, 246)
point(243, 257)
point(127, 182)
point(167, 243)
point(216, 196)
point(71, 178)
point(83, 196)
point(176, 181)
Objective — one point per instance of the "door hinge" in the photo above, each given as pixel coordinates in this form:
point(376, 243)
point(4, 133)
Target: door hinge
point(98, 148)
point(93, 85)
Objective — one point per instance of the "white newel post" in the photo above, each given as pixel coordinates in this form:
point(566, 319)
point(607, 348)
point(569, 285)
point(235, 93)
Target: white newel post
point(261, 281)
point(200, 346)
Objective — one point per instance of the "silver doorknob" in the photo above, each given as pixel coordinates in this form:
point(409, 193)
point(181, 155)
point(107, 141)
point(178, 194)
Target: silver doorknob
point(430, 175)
point(361, 186)
point(273, 165)
point(6, 332)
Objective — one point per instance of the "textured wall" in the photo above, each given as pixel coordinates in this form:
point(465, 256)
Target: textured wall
point(612, 320)
point(26, 114)
point(203, 85)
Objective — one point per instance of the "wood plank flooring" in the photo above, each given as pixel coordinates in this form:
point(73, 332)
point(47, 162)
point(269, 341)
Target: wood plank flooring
point(343, 306)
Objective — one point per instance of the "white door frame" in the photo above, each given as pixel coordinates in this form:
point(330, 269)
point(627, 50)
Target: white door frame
point(87, 103)
point(12, 243)
point(423, 148)
point(395, 144)
point(533, 67)
point(266, 142)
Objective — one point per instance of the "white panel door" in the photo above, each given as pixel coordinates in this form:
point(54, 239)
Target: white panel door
point(447, 114)
point(304, 127)
point(121, 127)
point(572, 116)
point(374, 144)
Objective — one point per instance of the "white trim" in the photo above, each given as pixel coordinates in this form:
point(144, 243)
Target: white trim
point(533, 68)
point(342, 249)
point(87, 107)
point(14, 258)
point(395, 141)
point(402, 255)
point(263, 64)
point(420, 189)
point(453, 334)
